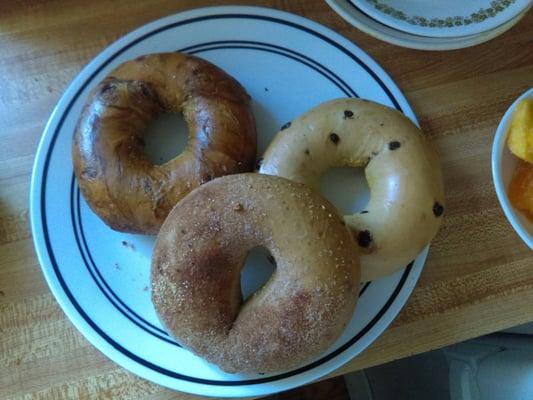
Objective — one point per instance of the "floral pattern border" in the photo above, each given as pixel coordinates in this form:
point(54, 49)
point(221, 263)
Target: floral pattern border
point(482, 14)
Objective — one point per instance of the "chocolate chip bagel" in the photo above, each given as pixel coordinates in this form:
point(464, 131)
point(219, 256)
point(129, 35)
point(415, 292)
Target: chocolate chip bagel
point(402, 169)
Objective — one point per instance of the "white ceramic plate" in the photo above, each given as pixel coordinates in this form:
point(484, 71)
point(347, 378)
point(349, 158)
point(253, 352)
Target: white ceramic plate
point(375, 28)
point(438, 18)
point(101, 278)
point(503, 166)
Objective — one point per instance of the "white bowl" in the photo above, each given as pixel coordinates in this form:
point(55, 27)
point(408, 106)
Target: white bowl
point(503, 167)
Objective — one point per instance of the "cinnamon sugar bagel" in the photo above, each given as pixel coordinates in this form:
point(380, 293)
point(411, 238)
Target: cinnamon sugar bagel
point(298, 313)
point(402, 169)
point(119, 183)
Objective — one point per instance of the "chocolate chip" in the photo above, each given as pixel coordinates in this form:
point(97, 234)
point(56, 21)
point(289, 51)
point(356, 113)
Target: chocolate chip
point(307, 152)
point(238, 207)
point(259, 162)
point(438, 209)
point(394, 145)
point(287, 125)
point(364, 238)
point(348, 114)
point(364, 212)
point(334, 137)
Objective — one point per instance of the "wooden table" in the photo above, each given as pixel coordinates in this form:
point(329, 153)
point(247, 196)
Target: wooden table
point(479, 275)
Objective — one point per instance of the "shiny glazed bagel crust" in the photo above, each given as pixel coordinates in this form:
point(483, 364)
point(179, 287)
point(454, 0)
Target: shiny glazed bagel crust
point(403, 173)
point(299, 312)
point(116, 178)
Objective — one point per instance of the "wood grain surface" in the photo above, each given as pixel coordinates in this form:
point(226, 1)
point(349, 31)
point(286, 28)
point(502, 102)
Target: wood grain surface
point(479, 275)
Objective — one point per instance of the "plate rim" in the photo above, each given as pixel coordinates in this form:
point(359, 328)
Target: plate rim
point(37, 184)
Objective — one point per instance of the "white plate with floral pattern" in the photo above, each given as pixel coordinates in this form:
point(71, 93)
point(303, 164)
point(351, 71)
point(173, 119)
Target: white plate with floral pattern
point(438, 18)
point(100, 277)
point(375, 28)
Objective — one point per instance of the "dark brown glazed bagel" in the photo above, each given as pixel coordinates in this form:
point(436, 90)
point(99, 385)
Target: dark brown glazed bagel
point(119, 183)
point(298, 313)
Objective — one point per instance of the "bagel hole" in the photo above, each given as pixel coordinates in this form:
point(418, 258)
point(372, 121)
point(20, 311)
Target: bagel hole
point(259, 265)
point(165, 138)
point(346, 188)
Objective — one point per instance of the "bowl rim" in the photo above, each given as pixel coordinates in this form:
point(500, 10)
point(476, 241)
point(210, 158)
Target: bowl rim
point(498, 146)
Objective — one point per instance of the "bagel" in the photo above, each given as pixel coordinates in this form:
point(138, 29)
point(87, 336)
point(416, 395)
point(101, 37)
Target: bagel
point(298, 313)
point(403, 173)
point(127, 191)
